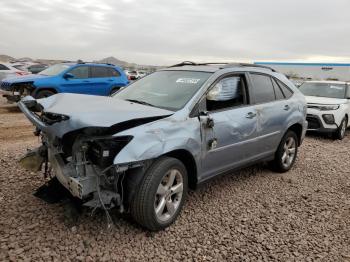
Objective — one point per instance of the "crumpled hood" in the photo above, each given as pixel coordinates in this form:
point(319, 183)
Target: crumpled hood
point(25, 78)
point(94, 111)
point(324, 100)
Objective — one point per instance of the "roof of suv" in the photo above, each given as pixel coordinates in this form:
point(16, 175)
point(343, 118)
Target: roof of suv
point(213, 67)
point(327, 82)
point(87, 63)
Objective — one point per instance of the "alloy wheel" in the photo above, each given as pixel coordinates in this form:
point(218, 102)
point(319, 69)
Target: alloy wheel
point(289, 152)
point(169, 194)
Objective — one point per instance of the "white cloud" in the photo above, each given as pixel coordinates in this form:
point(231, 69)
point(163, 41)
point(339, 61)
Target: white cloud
point(164, 32)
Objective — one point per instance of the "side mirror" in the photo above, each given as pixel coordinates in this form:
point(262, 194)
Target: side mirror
point(68, 75)
point(226, 89)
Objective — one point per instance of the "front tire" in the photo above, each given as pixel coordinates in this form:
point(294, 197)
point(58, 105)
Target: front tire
point(44, 94)
point(286, 153)
point(161, 195)
point(340, 133)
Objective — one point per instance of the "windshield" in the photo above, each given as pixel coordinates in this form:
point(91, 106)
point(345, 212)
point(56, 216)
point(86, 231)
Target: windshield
point(54, 70)
point(323, 89)
point(165, 89)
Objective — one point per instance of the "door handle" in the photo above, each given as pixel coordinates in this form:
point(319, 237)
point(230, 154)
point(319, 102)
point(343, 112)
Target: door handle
point(286, 107)
point(86, 81)
point(250, 115)
point(110, 80)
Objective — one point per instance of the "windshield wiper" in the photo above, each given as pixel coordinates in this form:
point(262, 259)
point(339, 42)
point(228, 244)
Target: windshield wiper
point(140, 102)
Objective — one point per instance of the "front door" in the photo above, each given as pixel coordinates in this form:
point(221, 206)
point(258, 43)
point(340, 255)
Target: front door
point(229, 128)
point(80, 82)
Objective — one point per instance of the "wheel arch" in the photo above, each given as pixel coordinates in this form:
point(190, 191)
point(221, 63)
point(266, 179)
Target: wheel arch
point(190, 163)
point(298, 129)
point(39, 89)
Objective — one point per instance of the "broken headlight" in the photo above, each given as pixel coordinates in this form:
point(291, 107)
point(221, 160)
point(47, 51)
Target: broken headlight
point(51, 118)
point(103, 151)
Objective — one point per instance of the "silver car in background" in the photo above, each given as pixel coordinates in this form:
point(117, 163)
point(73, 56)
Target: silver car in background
point(143, 148)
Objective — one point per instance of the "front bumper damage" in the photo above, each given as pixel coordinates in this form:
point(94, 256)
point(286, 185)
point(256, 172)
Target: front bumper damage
point(11, 96)
point(82, 164)
point(93, 186)
point(14, 92)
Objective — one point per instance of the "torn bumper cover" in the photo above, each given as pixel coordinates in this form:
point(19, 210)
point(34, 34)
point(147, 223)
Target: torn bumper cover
point(79, 187)
point(14, 92)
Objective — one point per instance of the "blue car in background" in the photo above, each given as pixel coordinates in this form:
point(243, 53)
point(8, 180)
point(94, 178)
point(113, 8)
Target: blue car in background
point(80, 78)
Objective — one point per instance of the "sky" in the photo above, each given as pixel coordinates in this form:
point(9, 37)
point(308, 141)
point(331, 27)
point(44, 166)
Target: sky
point(163, 32)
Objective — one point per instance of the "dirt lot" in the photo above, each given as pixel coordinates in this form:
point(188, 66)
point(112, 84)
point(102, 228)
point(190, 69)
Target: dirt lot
point(254, 214)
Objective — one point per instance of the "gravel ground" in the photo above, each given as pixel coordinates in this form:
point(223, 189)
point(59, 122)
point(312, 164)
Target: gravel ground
point(253, 214)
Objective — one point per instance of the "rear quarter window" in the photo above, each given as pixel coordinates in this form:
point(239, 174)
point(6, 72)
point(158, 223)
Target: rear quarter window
point(113, 72)
point(285, 89)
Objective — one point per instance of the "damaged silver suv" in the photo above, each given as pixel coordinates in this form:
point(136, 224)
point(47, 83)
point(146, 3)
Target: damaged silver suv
point(141, 150)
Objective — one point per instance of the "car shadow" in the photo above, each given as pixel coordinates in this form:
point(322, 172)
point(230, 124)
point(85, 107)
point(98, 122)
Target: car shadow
point(317, 135)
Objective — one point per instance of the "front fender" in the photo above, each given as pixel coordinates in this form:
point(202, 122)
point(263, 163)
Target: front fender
point(156, 139)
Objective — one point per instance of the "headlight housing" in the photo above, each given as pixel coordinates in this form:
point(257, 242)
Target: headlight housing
point(324, 107)
point(103, 151)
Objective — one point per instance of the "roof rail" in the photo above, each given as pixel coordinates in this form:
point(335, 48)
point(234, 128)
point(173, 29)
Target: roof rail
point(84, 62)
point(224, 65)
point(247, 65)
point(184, 63)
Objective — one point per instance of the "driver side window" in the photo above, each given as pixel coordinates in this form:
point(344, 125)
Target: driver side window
point(227, 93)
point(80, 72)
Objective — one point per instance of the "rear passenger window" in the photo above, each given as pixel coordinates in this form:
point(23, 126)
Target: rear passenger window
point(99, 71)
point(263, 88)
point(3, 67)
point(278, 91)
point(80, 72)
point(285, 89)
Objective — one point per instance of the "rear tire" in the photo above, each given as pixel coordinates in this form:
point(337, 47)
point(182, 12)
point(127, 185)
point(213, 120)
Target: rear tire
point(114, 90)
point(161, 195)
point(340, 133)
point(44, 94)
point(286, 153)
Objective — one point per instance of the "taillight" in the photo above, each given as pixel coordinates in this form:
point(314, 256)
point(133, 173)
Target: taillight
point(21, 73)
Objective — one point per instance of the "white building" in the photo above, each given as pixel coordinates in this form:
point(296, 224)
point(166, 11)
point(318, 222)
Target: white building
point(315, 71)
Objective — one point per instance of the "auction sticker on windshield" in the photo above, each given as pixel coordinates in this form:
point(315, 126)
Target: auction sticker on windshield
point(337, 87)
point(188, 80)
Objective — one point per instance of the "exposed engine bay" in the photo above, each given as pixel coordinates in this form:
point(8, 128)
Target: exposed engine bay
point(82, 159)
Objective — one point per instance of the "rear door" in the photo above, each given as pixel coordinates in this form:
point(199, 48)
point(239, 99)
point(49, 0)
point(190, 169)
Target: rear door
point(273, 110)
point(101, 80)
point(230, 141)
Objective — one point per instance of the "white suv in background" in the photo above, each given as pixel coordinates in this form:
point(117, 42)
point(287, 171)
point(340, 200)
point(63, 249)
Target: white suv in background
point(8, 71)
point(328, 106)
